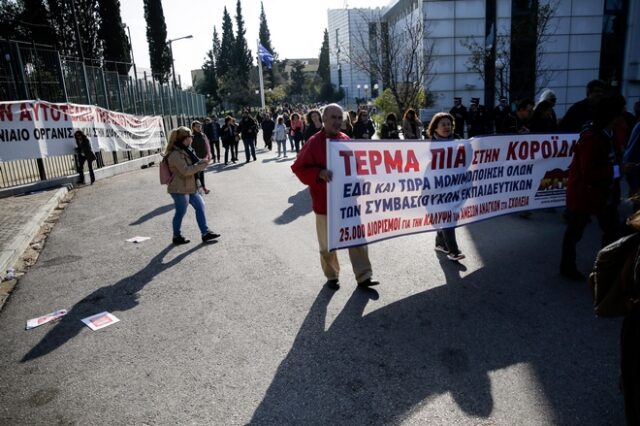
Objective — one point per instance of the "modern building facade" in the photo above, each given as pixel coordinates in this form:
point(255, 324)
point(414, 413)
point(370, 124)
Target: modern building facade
point(584, 40)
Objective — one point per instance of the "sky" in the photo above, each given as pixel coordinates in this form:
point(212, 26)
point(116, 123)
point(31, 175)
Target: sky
point(296, 27)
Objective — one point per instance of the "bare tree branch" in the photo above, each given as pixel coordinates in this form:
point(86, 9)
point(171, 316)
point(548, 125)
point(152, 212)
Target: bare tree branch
point(399, 55)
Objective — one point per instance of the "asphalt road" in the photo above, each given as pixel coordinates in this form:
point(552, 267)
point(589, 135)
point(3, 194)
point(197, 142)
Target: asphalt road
point(242, 331)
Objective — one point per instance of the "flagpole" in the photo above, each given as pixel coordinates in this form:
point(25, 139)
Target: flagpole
point(260, 74)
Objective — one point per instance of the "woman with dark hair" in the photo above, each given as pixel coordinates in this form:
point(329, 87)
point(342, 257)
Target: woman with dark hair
point(229, 138)
point(543, 119)
point(184, 165)
point(389, 129)
point(441, 129)
point(84, 154)
point(411, 125)
point(314, 124)
point(363, 127)
point(593, 187)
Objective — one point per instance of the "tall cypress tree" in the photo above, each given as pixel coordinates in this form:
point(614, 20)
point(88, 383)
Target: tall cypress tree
point(216, 45)
point(243, 60)
point(323, 64)
point(264, 35)
point(64, 18)
point(115, 42)
point(225, 62)
point(37, 22)
point(209, 86)
point(88, 22)
point(159, 55)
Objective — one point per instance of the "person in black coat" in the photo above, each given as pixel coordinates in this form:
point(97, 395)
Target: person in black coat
point(267, 130)
point(582, 111)
point(212, 130)
point(363, 127)
point(459, 113)
point(389, 129)
point(84, 154)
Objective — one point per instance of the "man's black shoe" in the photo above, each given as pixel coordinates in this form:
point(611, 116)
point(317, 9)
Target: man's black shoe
point(573, 274)
point(179, 240)
point(368, 283)
point(209, 236)
point(333, 284)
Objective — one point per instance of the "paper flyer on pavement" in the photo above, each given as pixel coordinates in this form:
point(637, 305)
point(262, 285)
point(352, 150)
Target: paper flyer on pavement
point(138, 239)
point(101, 320)
point(35, 322)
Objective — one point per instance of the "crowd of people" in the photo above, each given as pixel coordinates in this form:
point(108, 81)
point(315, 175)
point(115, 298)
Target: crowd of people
point(608, 150)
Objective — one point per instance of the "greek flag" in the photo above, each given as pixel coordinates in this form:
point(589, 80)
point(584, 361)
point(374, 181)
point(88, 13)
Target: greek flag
point(265, 56)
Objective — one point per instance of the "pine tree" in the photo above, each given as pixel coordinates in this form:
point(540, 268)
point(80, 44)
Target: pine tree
point(115, 42)
point(216, 45)
point(88, 23)
point(323, 64)
point(209, 86)
point(37, 23)
point(227, 47)
point(265, 40)
point(159, 55)
point(62, 21)
point(264, 35)
point(243, 61)
point(64, 18)
point(297, 78)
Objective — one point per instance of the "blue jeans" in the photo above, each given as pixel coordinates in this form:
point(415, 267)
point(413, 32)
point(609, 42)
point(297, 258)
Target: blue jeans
point(249, 144)
point(181, 202)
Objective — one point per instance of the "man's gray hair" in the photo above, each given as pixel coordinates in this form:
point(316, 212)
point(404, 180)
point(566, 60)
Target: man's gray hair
point(331, 106)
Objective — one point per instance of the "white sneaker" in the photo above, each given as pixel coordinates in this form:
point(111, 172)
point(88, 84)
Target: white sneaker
point(455, 256)
point(441, 249)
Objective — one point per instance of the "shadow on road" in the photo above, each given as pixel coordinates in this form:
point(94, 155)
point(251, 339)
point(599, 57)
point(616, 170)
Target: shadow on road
point(117, 297)
point(380, 367)
point(153, 213)
point(300, 206)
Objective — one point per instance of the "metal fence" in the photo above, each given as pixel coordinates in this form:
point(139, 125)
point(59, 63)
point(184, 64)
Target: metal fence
point(30, 71)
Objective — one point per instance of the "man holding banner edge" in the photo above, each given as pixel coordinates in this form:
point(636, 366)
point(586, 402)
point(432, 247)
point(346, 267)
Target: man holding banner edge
point(311, 168)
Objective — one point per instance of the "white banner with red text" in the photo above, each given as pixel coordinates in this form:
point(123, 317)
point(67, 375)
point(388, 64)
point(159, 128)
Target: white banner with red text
point(385, 189)
point(38, 129)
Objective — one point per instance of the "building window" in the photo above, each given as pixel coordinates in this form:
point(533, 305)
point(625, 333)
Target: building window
point(614, 35)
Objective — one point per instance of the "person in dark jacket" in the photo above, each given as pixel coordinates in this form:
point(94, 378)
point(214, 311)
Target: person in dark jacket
point(363, 127)
point(229, 135)
point(267, 130)
point(459, 113)
point(500, 112)
point(518, 122)
point(248, 129)
point(84, 154)
point(389, 129)
point(212, 130)
point(201, 147)
point(313, 125)
point(582, 111)
point(476, 118)
point(593, 187)
point(543, 119)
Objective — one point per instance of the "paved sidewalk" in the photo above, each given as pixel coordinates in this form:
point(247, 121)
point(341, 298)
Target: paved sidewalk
point(21, 218)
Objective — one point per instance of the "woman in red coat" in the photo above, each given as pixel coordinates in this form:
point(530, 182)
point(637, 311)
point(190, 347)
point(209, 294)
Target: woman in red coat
point(593, 187)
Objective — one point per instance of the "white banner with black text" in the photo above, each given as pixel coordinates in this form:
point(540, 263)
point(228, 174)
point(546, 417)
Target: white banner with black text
point(38, 129)
point(384, 189)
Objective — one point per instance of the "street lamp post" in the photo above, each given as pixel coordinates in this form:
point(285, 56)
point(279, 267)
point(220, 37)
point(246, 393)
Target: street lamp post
point(358, 101)
point(374, 92)
point(366, 94)
point(173, 69)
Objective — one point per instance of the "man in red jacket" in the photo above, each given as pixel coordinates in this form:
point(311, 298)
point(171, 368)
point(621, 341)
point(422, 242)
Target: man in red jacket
point(593, 187)
point(311, 168)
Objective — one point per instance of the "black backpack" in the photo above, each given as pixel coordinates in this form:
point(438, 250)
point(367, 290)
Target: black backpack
point(615, 278)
